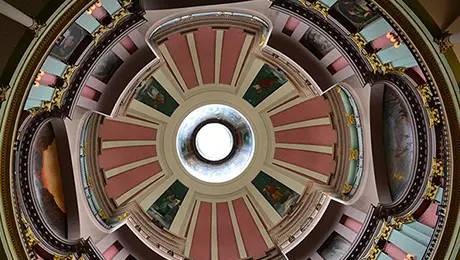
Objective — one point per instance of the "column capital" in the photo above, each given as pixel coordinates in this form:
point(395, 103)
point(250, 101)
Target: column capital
point(444, 42)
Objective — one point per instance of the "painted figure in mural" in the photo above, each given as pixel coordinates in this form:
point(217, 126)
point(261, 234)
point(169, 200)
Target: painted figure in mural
point(357, 12)
point(157, 97)
point(275, 193)
point(168, 204)
point(263, 83)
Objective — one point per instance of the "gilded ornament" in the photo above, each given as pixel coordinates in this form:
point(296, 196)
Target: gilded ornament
point(35, 110)
point(262, 40)
point(385, 231)
point(398, 222)
point(99, 32)
point(30, 237)
point(425, 93)
point(318, 6)
point(354, 154)
point(359, 40)
point(69, 72)
point(388, 68)
point(437, 167)
point(373, 253)
point(85, 148)
point(435, 118)
point(123, 216)
point(57, 96)
point(350, 119)
point(431, 191)
point(62, 257)
point(338, 89)
point(120, 14)
point(102, 215)
point(375, 62)
point(125, 2)
point(347, 188)
point(46, 106)
point(304, 2)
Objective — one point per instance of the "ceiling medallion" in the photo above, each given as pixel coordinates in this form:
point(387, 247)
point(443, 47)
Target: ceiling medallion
point(215, 143)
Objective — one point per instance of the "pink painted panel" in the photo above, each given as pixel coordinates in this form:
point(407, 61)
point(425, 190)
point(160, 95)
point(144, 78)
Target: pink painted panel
point(201, 243)
point(128, 44)
point(337, 65)
point(112, 130)
point(310, 109)
point(205, 41)
point(318, 162)
point(252, 239)
point(381, 42)
point(115, 157)
point(291, 25)
point(231, 49)
point(112, 251)
point(178, 48)
point(91, 93)
point(394, 252)
point(123, 182)
point(429, 217)
point(47, 79)
point(316, 135)
point(99, 13)
point(353, 224)
point(226, 241)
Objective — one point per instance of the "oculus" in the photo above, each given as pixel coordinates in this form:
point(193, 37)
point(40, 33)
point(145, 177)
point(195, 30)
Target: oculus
point(215, 143)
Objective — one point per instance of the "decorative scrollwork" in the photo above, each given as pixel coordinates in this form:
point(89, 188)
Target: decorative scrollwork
point(347, 188)
point(359, 40)
point(62, 257)
point(57, 96)
point(373, 253)
point(262, 40)
point(30, 237)
point(318, 6)
point(385, 231)
point(120, 14)
point(354, 154)
point(425, 93)
point(99, 32)
point(435, 117)
point(388, 68)
point(69, 72)
point(398, 222)
point(350, 119)
point(123, 216)
point(375, 62)
point(431, 191)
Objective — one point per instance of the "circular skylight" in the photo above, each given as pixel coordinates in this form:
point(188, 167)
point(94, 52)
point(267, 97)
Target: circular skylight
point(214, 141)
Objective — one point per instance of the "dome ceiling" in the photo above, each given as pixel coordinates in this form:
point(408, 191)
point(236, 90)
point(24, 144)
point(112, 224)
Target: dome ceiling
point(282, 141)
point(229, 135)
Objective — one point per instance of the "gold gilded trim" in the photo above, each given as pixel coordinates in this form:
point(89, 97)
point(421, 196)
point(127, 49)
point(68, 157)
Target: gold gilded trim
point(14, 246)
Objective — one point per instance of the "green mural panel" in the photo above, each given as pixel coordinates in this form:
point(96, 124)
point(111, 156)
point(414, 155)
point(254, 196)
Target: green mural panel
point(151, 93)
point(164, 209)
point(356, 11)
point(280, 197)
point(267, 81)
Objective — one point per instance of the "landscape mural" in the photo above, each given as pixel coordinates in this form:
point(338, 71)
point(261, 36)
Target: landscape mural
point(164, 209)
point(316, 43)
point(107, 66)
point(334, 248)
point(151, 93)
point(267, 81)
point(68, 42)
point(398, 142)
point(356, 11)
point(280, 197)
point(47, 180)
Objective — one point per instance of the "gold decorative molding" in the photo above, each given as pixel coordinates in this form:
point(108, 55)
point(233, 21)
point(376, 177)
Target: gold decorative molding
point(375, 61)
point(101, 30)
point(125, 2)
point(388, 68)
point(435, 117)
point(123, 216)
point(350, 119)
point(120, 14)
point(431, 191)
point(103, 216)
point(385, 231)
point(318, 6)
point(347, 188)
point(398, 222)
point(62, 257)
point(359, 40)
point(30, 237)
point(262, 40)
point(437, 167)
point(354, 154)
point(425, 93)
point(373, 253)
point(69, 72)
point(57, 96)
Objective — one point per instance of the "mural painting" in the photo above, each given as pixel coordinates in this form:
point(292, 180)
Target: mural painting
point(107, 66)
point(47, 180)
point(334, 248)
point(267, 81)
point(316, 43)
point(165, 208)
point(277, 194)
point(68, 42)
point(151, 93)
point(398, 142)
point(356, 11)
